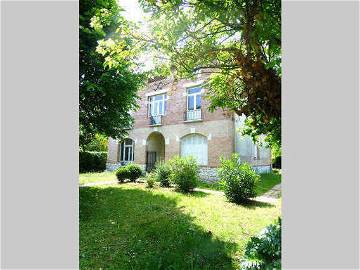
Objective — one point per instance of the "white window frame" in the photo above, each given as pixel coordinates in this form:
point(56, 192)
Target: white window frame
point(124, 147)
point(152, 104)
point(194, 95)
point(203, 157)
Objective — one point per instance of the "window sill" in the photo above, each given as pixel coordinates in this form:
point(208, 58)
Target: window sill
point(155, 125)
point(191, 121)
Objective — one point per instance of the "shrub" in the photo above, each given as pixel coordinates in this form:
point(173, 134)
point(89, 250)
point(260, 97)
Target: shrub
point(162, 174)
point(239, 180)
point(277, 162)
point(92, 161)
point(184, 173)
point(150, 180)
point(264, 250)
point(130, 171)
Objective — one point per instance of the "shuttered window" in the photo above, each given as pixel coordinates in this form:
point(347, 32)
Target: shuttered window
point(195, 145)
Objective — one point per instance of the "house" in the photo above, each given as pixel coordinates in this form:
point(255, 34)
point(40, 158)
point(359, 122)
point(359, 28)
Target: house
point(173, 119)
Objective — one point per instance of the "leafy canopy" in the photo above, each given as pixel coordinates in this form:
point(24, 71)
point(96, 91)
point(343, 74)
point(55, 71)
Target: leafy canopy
point(108, 81)
point(238, 41)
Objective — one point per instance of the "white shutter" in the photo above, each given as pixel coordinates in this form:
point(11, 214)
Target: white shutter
point(195, 145)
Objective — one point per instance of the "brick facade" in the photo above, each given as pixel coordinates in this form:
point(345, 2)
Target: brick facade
point(218, 127)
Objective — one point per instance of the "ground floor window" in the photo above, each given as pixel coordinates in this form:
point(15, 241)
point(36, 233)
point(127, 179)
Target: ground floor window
point(195, 145)
point(126, 150)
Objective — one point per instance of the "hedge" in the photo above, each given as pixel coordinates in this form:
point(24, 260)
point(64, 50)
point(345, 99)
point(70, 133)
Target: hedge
point(92, 161)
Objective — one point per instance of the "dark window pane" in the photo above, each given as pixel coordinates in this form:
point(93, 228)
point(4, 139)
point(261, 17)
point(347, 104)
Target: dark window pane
point(122, 152)
point(198, 101)
point(128, 141)
point(127, 153)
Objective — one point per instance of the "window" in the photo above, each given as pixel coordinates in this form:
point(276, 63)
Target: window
point(157, 105)
point(127, 150)
point(194, 98)
point(195, 145)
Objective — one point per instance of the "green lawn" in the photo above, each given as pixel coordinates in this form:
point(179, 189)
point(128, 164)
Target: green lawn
point(127, 226)
point(267, 181)
point(96, 177)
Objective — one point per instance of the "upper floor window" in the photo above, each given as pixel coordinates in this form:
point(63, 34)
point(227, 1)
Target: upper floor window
point(194, 98)
point(157, 105)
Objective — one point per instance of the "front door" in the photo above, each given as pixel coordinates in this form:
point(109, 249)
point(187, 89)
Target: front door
point(150, 160)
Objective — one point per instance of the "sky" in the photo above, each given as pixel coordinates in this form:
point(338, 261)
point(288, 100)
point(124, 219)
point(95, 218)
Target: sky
point(133, 12)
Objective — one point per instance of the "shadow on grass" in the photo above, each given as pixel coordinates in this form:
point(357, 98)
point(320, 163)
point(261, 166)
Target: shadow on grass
point(252, 204)
point(136, 229)
point(198, 194)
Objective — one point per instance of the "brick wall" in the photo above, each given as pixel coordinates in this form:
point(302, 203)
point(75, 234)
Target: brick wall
point(176, 104)
point(218, 126)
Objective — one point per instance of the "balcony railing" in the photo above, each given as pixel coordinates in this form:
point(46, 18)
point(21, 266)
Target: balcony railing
point(192, 115)
point(155, 120)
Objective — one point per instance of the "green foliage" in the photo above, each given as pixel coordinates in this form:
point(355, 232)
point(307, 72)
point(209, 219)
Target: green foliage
point(184, 173)
point(162, 173)
point(238, 40)
point(92, 161)
point(150, 180)
point(130, 171)
point(99, 143)
point(277, 162)
point(107, 81)
point(263, 252)
point(239, 179)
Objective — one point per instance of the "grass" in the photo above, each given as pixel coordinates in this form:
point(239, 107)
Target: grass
point(128, 226)
point(96, 177)
point(267, 182)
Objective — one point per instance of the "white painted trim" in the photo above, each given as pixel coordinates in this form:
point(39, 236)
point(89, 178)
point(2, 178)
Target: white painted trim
point(154, 93)
point(191, 84)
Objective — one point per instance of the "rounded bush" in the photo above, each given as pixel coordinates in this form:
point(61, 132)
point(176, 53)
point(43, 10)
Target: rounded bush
point(239, 179)
point(162, 174)
point(150, 180)
point(130, 171)
point(90, 161)
point(184, 173)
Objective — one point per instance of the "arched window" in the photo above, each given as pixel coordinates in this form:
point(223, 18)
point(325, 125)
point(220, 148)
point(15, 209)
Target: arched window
point(126, 151)
point(195, 145)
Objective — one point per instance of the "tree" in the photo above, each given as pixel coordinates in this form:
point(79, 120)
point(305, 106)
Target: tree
point(108, 83)
point(239, 41)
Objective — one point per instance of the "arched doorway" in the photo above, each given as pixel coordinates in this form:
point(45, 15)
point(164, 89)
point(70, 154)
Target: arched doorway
point(155, 149)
